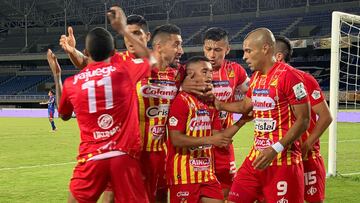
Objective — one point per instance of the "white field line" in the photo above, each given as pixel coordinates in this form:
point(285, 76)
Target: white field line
point(36, 166)
point(350, 174)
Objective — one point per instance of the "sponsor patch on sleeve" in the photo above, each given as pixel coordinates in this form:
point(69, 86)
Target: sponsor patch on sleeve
point(316, 94)
point(173, 121)
point(299, 91)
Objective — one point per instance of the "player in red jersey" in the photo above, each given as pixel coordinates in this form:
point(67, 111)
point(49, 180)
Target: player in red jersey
point(273, 169)
point(194, 128)
point(314, 168)
point(107, 117)
point(230, 83)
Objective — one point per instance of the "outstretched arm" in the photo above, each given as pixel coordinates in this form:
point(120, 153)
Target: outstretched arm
point(68, 44)
point(56, 71)
point(244, 106)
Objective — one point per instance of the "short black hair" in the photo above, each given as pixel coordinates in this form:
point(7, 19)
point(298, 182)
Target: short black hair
point(100, 44)
point(165, 29)
point(195, 59)
point(52, 91)
point(139, 20)
point(283, 45)
point(216, 34)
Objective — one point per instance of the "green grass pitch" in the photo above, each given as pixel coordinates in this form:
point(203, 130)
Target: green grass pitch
point(36, 165)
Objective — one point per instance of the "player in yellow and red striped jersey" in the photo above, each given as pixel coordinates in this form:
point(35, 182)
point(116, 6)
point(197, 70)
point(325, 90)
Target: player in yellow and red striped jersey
point(194, 128)
point(230, 83)
point(314, 168)
point(155, 95)
point(273, 169)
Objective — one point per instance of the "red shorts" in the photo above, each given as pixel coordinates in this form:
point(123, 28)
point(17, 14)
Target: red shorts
point(194, 192)
point(314, 176)
point(225, 167)
point(153, 169)
point(274, 184)
point(91, 178)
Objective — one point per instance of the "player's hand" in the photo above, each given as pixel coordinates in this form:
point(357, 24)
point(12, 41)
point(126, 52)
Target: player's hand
point(264, 159)
point(305, 148)
point(195, 87)
point(220, 140)
point(68, 43)
point(117, 19)
point(53, 63)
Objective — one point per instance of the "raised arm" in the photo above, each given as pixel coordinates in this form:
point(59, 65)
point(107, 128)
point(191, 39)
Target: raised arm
point(56, 71)
point(68, 44)
point(118, 22)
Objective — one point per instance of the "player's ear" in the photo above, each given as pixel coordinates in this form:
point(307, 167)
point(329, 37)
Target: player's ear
point(279, 57)
point(148, 37)
point(228, 49)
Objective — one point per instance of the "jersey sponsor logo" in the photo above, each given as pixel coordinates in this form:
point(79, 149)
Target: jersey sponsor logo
point(183, 194)
point(158, 131)
point(163, 92)
point(105, 121)
point(316, 94)
point(163, 82)
point(223, 115)
point(200, 123)
point(157, 111)
point(262, 103)
point(262, 143)
point(86, 75)
point(221, 83)
point(200, 164)
point(222, 93)
point(311, 191)
point(106, 134)
point(261, 91)
point(299, 91)
point(200, 148)
point(283, 200)
point(265, 124)
point(137, 60)
point(202, 112)
point(173, 121)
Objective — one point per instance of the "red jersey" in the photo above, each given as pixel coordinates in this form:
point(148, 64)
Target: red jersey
point(230, 84)
point(103, 97)
point(272, 96)
point(155, 94)
point(193, 118)
point(315, 97)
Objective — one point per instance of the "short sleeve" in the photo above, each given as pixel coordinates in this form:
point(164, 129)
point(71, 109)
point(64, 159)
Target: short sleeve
point(294, 88)
point(178, 115)
point(316, 96)
point(137, 68)
point(65, 106)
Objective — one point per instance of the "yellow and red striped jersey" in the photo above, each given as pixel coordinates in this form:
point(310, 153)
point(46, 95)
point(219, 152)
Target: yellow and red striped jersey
point(230, 84)
point(155, 94)
point(272, 96)
point(315, 97)
point(193, 118)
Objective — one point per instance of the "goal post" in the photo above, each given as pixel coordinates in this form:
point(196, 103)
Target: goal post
point(342, 36)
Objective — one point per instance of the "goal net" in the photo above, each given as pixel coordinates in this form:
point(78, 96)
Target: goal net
point(344, 94)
